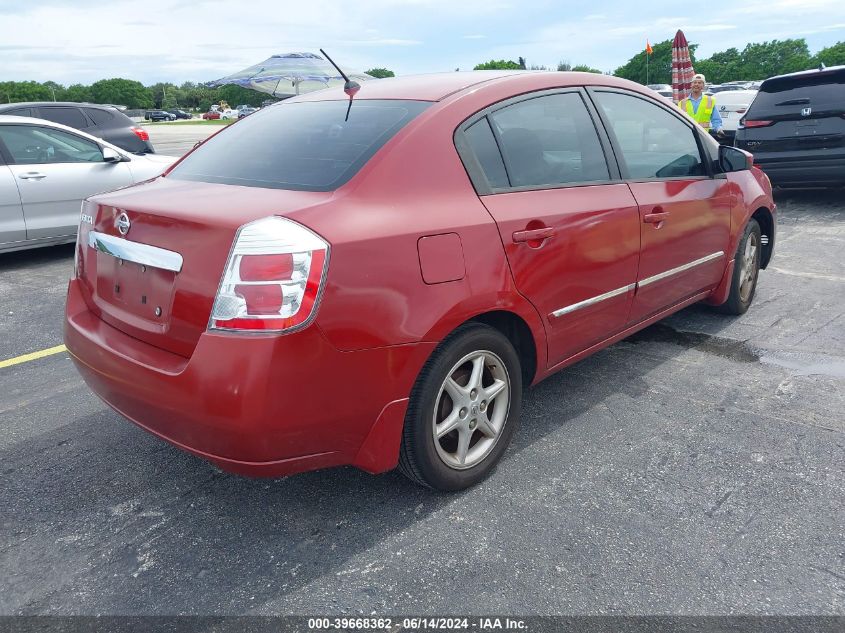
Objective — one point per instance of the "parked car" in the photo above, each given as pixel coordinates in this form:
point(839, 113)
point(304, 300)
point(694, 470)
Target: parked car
point(159, 115)
point(373, 283)
point(104, 122)
point(180, 114)
point(246, 112)
point(211, 115)
point(229, 114)
point(46, 169)
point(796, 128)
point(711, 90)
point(732, 105)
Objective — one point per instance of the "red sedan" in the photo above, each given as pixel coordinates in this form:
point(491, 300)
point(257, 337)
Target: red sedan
point(374, 284)
point(210, 115)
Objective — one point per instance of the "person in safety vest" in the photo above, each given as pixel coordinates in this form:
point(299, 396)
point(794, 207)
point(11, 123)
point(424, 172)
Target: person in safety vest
point(702, 107)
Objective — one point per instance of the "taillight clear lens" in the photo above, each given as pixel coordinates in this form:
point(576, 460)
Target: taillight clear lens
point(273, 278)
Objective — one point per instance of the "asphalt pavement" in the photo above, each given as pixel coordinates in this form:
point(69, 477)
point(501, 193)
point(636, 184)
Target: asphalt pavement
point(175, 139)
point(696, 468)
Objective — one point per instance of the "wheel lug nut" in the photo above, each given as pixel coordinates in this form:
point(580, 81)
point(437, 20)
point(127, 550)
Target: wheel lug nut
point(483, 406)
point(473, 394)
point(463, 413)
point(473, 424)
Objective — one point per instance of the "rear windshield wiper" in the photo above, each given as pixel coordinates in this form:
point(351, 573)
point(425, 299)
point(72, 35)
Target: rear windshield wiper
point(794, 102)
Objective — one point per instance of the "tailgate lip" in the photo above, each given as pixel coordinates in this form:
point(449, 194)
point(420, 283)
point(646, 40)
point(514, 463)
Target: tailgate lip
point(136, 252)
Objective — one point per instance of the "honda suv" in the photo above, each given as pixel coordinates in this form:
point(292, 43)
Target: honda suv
point(796, 128)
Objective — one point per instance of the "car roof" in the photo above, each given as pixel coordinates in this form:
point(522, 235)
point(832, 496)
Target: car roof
point(735, 96)
point(832, 72)
point(29, 104)
point(439, 86)
point(20, 120)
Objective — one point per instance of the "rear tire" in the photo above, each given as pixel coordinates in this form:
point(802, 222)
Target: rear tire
point(746, 271)
point(463, 411)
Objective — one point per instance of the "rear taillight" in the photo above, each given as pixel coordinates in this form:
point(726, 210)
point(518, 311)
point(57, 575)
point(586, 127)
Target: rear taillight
point(746, 123)
point(273, 278)
point(141, 133)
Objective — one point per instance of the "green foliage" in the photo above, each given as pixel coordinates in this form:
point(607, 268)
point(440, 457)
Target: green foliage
point(126, 92)
point(380, 73)
point(830, 56)
point(13, 91)
point(78, 93)
point(564, 66)
point(659, 65)
point(583, 68)
point(500, 64)
point(235, 96)
point(761, 61)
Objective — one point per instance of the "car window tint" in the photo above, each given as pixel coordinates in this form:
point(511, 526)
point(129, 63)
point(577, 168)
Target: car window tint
point(788, 97)
point(72, 117)
point(30, 145)
point(654, 143)
point(99, 117)
point(549, 140)
point(483, 144)
point(308, 146)
point(19, 112)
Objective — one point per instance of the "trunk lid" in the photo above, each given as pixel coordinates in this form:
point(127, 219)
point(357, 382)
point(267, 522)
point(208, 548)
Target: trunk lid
point(157, 282)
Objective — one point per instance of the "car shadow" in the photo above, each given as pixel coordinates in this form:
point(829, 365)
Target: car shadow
point(17, 260)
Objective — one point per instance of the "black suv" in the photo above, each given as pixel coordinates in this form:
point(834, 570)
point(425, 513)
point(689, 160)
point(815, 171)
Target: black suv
point(105, 122)
point(795, 128)
point(180, 114)
point(159, 115)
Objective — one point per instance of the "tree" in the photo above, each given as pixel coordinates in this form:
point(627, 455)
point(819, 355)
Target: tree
point(500, 64)
point(831, 56)
point(77, 93)
point(521, 63)
point(583, 68)
point(659, 65)
point(57, 91)
point(16, 91)
point(236, 95)
point(564, 66)
point(761, 61)
point(380, 73)
point(126, 92)
point(721, 67)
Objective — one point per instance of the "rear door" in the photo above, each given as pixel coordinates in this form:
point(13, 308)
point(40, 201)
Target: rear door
point(685, 213)
point(12, 225)
point(54, 171)
point(568, 224)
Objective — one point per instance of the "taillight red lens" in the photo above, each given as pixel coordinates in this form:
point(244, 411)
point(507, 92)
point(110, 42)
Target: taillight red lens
point(757, 123)
point(266, 267)
point(141, 133)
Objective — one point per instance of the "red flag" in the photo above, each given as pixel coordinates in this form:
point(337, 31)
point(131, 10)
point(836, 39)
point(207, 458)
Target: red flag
point(648, 49)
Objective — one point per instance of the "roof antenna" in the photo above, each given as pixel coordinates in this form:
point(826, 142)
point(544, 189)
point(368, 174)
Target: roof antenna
point(350, 87)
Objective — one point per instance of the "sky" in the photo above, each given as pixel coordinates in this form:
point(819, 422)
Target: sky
point(82, 41)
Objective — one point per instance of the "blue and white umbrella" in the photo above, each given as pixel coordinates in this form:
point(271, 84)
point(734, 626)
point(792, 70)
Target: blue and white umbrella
point(290, 74)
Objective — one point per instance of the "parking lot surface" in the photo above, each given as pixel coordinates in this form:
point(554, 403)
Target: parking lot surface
point(177, 138)
point(695, 468)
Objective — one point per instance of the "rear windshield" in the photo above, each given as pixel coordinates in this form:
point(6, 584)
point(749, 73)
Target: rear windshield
point(785, 97)
point(305, 146)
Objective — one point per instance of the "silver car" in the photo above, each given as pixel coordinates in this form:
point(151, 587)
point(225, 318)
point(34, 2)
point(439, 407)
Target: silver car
point(47, 169)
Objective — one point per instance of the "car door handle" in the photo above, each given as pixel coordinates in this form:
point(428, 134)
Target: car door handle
point(533, 235)
point(656, 217)
point(32, 175)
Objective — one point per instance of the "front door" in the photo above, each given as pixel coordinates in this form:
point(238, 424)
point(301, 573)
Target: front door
point(685, 214)
point(12, 225)
point(571, 234)
point(54, 171)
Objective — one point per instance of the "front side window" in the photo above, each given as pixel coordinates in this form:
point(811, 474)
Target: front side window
point(307, 146)
point(653, 142)
point(549, 141)
point(31, 145)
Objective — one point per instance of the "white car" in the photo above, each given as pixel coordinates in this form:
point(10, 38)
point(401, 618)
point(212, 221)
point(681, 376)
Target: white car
point(47, 169)
point(732, 104)
point(229, 114)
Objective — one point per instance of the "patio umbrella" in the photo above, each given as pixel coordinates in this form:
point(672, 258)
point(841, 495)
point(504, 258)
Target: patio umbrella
point(290, 74)
point(681, 67)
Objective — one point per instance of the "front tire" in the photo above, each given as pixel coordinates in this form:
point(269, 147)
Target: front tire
point(463, 411)
point(746, 271)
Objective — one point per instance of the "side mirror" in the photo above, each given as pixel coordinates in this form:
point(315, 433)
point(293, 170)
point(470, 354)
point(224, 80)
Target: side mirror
point(111, 156)
point(733, 159)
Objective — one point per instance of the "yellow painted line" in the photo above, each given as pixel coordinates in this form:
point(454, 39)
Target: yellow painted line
point(17, 360)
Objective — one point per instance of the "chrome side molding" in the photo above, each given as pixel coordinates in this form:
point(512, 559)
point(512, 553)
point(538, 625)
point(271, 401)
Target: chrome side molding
point(593, 300)
point(143, 254)
point(680, 269)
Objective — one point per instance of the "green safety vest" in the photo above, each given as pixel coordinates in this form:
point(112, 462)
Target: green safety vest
point(705, 110)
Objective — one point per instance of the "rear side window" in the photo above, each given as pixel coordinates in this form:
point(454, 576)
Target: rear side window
point(483, 145)
point(19, 112)
point(99, 117)
point(653, 142)
point(548, 141)
point(71, 117)
point(307, 146)
point(788, 97)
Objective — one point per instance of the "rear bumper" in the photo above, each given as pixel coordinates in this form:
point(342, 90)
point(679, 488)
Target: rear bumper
point(803, 173)
point(254, 405)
